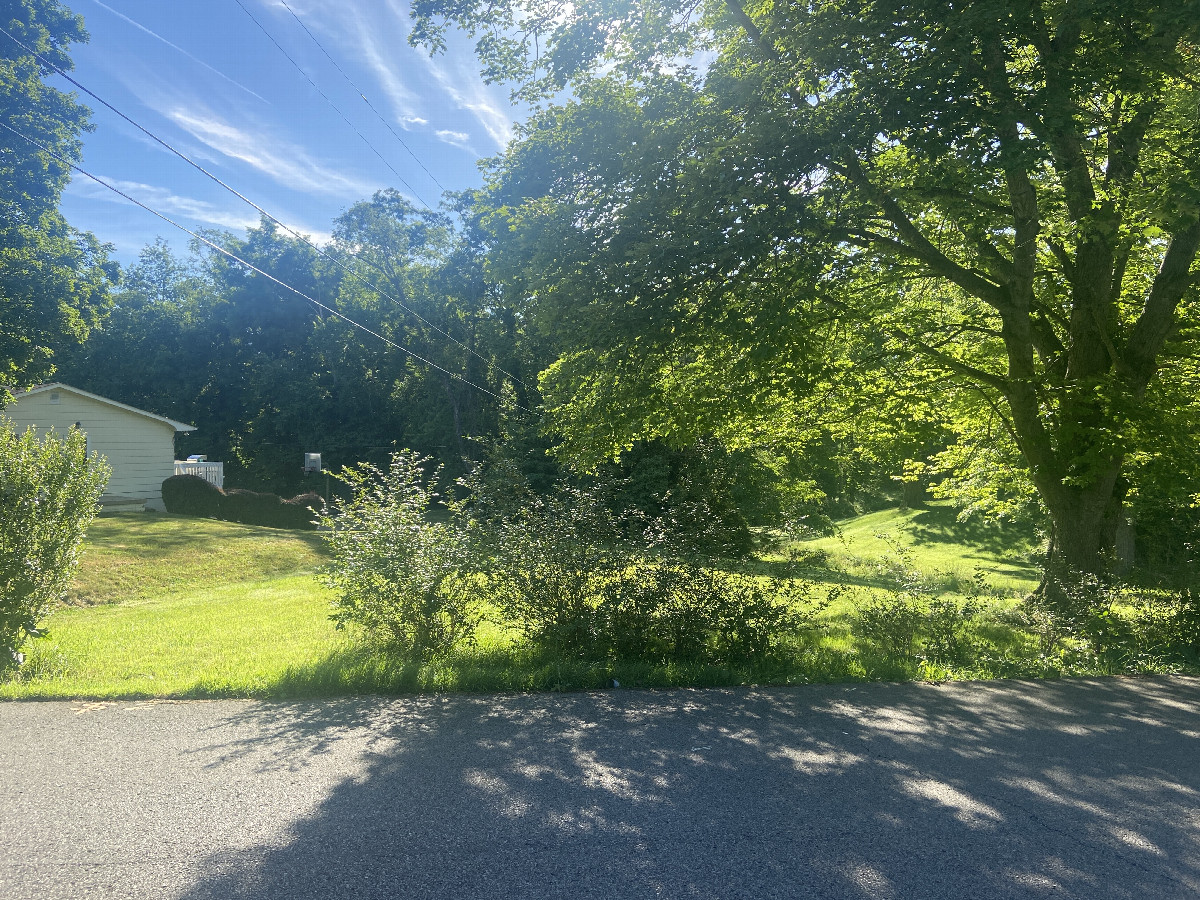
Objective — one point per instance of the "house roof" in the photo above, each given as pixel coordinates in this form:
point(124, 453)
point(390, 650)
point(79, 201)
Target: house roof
point(59, 386)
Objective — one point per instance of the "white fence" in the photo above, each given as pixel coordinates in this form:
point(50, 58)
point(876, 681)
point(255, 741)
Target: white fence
point(212, 472)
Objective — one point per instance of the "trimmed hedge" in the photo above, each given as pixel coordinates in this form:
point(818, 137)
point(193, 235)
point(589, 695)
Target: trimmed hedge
point(191, 495)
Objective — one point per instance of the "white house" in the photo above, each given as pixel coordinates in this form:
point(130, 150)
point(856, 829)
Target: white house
point(139, 445)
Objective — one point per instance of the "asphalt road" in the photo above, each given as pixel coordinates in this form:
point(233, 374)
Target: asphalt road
point(1086, 789)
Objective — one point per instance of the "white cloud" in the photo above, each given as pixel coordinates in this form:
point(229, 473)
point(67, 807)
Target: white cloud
point(175, 206)
point(165, 201)
point(321, 239)
point(372, 41)
point(379, 40)
point(287, 164)
point(455, 138)
point(379, 53)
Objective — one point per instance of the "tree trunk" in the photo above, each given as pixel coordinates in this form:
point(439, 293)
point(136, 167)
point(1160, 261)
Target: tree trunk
point(1082, 541)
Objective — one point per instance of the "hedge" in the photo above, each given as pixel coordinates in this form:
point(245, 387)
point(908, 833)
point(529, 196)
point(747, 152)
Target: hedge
point(191, 495)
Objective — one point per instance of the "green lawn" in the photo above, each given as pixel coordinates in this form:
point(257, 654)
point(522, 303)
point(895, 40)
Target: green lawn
point(127, 558)
point(171, 606)
point(166, 606)
point(930, 540)
point(229, 640)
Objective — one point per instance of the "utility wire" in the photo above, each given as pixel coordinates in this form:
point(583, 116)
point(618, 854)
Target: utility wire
point(370, 106)
point(253, 268)
point(300, 237)
point(333, 106)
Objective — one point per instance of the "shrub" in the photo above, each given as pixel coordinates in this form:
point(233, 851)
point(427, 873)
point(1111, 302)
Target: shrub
point(545, 562)
point(1120, 628)
point(911, 624)
point(49, 492)
point(251, 507)
point(677, 610)
point(191, 495)
point(945, 625)
point(1168, 625)
point(891, 623)
point(302, 511)
point(395, 573)
point(583, 581)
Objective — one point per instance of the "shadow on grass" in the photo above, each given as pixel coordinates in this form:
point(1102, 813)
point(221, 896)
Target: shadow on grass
point(940, 525)
point(884, 579)
point(162, 535)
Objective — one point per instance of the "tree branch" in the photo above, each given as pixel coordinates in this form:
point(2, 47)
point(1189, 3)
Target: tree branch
point(915, 245)
point(1064, 259)
point(1125, 142)
point(1154, 324)
point(753, 31)
point(928, 351)
point(1021, 193)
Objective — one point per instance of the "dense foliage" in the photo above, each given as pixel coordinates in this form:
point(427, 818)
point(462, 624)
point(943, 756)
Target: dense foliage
point(49, 492)
point(53, 279)
point(758, 264)
point(990, 208)
point(266, 376)
point(577, 578)
point(190, 495)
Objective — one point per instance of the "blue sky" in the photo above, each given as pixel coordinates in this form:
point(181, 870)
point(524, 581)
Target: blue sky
point(204, 77)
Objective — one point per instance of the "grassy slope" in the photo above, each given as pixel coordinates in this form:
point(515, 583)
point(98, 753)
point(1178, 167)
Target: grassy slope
point(936, 545)
point(175, 607)
point(128, 558)
point(171, 606)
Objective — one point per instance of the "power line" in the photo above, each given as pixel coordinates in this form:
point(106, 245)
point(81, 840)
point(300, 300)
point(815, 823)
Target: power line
point(300, 237)
point(253, 268)
point(370, 106)
point(332, 106)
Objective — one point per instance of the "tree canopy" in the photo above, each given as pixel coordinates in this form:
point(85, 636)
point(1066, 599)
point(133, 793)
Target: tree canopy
point(266, 376)
point(53, 279)
point(733, 208)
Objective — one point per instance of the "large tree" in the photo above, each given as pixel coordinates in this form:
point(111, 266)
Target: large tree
point(53, 279)
point(1005, 195)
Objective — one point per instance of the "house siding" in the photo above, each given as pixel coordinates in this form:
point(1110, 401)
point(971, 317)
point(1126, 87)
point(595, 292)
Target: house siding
point(140, 450)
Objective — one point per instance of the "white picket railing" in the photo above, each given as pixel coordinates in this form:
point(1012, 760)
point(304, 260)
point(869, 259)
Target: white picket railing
point(212, 472)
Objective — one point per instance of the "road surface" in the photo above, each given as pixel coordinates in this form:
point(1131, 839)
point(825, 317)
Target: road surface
point(1077, 788)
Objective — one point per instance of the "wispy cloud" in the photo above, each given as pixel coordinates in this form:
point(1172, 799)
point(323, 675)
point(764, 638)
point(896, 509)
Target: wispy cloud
point(370, 41)
point(373, 34)
point(165, 201)
point(177, 48)
point(459, 78)
point(460, 83)
point(287, 164)
point(455, 138)
point(177, 207)
point(379, 52)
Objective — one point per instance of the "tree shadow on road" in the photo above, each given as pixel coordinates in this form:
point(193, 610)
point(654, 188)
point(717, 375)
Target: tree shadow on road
point(1002, 789)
